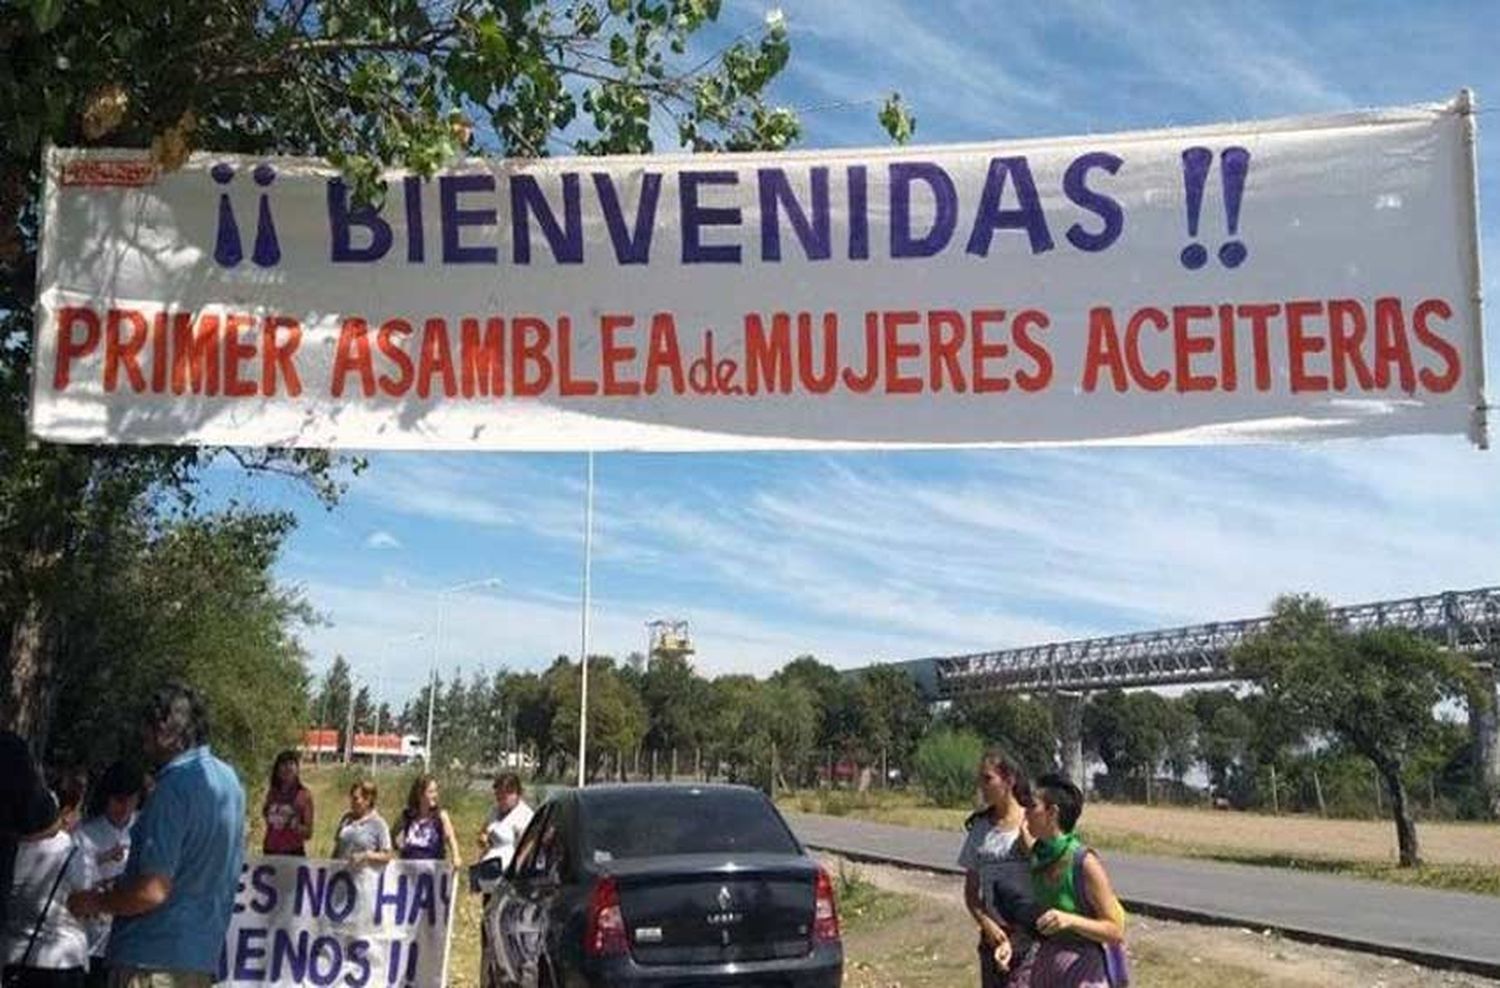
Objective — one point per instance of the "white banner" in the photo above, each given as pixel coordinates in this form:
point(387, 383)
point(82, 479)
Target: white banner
point(306, 922)
point(1289, 279)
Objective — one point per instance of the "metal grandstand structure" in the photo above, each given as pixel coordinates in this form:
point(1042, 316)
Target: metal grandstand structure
point(1464, 620)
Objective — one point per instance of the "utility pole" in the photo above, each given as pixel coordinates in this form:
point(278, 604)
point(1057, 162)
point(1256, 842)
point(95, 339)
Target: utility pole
point(349, 731)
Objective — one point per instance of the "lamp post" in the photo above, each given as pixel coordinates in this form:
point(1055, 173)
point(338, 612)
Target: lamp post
point(437, 643)
point(583, 645)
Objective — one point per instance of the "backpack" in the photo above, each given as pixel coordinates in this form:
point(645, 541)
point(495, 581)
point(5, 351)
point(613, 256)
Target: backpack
point(1116, 963)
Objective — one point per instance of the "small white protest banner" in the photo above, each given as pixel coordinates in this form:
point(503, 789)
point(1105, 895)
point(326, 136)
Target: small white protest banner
point(1290, 279)
point(299, 921)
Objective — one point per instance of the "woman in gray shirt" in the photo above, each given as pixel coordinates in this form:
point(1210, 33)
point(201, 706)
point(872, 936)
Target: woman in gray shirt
point(362, 838)
point(997, 873)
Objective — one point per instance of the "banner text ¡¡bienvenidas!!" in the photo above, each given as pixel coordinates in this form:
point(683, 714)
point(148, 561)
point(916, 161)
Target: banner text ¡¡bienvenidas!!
point(1282, 280)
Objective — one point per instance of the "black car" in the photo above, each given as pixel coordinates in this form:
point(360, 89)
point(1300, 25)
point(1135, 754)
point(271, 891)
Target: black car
point(662, 885)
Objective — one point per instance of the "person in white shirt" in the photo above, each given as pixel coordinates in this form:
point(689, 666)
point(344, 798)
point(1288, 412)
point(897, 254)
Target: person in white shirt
point(104, 840)
point(507, 821)
point(42, 944)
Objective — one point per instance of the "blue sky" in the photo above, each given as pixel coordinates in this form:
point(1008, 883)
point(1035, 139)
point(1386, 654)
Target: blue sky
point(859, 557)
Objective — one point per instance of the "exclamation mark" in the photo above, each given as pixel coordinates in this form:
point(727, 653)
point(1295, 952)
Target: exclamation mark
point(1235, 164)
point(1195, 165)
point(267, 249)
point(393, 963)
point(227, 249)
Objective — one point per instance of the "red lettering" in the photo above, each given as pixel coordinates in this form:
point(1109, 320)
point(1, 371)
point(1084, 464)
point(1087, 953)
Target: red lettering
point(896, 351)
point(395, 352)
point(195, 353)
point(769, 357)
point(982, 352)
point(1444, 382)
point(1228, 360)
point(569, 386)
point(532, 338)
point(159, 358)
point(353, 354)
point(865, 384)
point(1103, 351)
point(814, 382)
point(120, 351)
point(664, 354)
point(1346, 336)
point(280, 354)
point(614, 353)
point(236, 355)
point(1260, 330)
point(1138, 373)
point(1391, 346)
point(1300, 345)
point(68, 349)
point(1186, 346)
point(1021, 329)
point(945, 338)
point(482, 360)
point(436, 358)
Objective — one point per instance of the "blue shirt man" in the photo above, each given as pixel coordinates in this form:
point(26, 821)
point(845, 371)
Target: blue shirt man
point(172, 906)
point(192, 831)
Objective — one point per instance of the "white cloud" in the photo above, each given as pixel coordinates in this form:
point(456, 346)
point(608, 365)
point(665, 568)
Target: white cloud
point(382, 540)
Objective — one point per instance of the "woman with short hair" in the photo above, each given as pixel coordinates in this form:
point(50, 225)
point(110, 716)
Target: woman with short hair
point(362, 838)
point(104, 838)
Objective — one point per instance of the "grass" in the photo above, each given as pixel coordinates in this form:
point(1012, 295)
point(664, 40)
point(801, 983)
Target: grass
point(863, 905)
point(908, 810)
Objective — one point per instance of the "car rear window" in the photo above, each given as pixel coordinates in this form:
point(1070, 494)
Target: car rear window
point(647, 824)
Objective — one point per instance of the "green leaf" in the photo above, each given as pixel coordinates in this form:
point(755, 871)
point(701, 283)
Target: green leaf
point(46, 14)
point(897, 120)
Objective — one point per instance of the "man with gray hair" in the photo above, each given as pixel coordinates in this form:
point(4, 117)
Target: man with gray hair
point(172, 906)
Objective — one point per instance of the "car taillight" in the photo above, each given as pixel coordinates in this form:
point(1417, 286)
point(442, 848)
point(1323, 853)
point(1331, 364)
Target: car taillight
point(825, 910)
point(604, 926)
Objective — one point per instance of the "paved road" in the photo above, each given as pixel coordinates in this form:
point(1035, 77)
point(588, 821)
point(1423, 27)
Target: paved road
point(1448, 928)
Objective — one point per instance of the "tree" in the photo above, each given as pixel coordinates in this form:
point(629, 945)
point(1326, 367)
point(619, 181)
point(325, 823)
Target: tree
point(331, 705)
point(1179, 730)
point(1374, 690)
point(617, 716)
point(1222, 735)
point(192, 599)
point(1022, 726)
point(676, 701)
point(1106, 719)
point(362, 83)
point(364, 711)
point(897, 713)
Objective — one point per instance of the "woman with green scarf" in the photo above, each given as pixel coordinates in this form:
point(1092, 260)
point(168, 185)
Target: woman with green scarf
point(1082, 922)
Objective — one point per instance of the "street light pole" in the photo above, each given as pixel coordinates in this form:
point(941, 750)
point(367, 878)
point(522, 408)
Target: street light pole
point(583, 650)
point(437, 642)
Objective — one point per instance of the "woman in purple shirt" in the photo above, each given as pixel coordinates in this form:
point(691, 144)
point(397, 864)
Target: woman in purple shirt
point(424, 831)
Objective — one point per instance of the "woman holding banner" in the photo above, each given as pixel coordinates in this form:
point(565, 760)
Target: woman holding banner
point(362, 838)
point(426, 832)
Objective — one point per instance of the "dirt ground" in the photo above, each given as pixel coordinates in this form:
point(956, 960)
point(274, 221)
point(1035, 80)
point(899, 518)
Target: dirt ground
point(931, 945)
point(1372, 840)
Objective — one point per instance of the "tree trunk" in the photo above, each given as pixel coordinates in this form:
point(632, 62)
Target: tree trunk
point(32, 658)
point(1406, 827)
point(34, 642)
